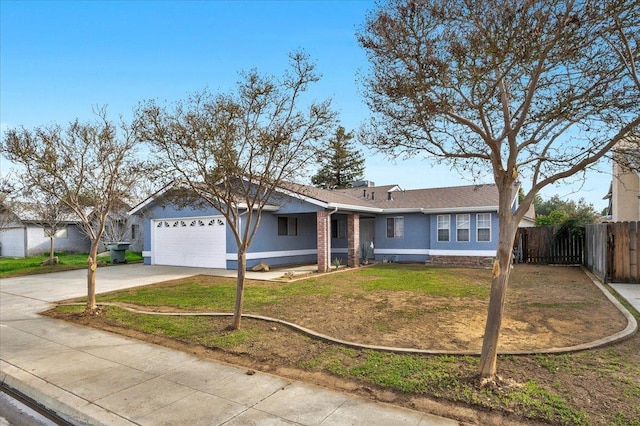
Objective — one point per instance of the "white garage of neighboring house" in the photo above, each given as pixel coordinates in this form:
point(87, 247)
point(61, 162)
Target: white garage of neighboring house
point(28, 239)
point(195, 241)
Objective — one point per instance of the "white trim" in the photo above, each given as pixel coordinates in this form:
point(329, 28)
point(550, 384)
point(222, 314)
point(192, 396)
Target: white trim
point(302, 197)
point(437, 252)
point(448, 228)
point(478, 228)
point(468, 228)
point(482, 253)
point(267, 254)
point(481, 209)
point(396, 219)
point(152, 198)
point(351, 207)
point(401, 251)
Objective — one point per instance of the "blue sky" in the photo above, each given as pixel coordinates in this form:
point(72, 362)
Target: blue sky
point(59, 58)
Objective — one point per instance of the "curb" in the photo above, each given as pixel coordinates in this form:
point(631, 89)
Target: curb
point(61, 403)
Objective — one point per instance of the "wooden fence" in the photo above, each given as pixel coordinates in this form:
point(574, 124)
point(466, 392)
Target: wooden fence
point(545, 246)
point(612, 251)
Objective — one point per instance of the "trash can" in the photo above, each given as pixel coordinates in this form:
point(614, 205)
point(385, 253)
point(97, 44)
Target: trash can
point(117, 252)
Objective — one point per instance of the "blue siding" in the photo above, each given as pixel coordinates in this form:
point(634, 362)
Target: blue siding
point(418, 242)
point(292, 248)
point(411, 247)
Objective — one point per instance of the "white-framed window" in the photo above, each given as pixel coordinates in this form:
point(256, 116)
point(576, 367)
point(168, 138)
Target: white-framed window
point(444, 227)
point(287, 226)
point(135, 231)
point(338, 228)
point(395, 227)
point(483, 225)
point(463, 225)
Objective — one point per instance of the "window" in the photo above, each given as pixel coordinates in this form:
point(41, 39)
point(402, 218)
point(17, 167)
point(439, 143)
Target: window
point(444, 223)
point(287, 226)
point(483, 222)
point(463, 222)
point(395, 227)
point(338, 228)
point(135, 231)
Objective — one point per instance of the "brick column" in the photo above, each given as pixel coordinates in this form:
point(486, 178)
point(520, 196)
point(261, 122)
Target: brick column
point(353, 240)
point(321, 232)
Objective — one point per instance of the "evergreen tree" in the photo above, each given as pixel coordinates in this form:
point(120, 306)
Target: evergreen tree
point(340, 162)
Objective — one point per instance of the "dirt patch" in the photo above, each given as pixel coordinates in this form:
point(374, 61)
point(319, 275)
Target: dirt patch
point(546, 307)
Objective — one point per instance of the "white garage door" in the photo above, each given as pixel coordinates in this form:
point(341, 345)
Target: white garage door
point(12, 242)
point(199, 242)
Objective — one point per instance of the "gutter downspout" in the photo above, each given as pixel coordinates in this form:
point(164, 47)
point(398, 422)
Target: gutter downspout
point(238, 217)
point(328, 239)
point(238, 225)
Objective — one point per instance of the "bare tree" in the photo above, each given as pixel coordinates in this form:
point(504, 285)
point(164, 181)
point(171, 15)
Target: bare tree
point(234, 150)
point(7, 189)
point(86, 166)
point(525, 90)
point(45, 211)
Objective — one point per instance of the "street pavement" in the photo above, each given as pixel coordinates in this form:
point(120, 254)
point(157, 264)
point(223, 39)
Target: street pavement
point(94, 377)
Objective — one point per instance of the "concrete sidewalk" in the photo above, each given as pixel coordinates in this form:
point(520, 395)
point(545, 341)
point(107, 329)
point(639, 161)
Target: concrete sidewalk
point(631, 292)
point(94, 377)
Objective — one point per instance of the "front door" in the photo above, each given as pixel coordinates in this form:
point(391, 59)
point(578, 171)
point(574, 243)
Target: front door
point(367, 233)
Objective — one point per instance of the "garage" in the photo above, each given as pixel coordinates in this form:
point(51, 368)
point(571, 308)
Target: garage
point(13, 242)
point(199, 242)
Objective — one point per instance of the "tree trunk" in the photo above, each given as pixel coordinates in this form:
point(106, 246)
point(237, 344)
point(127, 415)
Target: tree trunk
point(92, 265)
point(51, 249)
point(237, 312)
point(499, 284)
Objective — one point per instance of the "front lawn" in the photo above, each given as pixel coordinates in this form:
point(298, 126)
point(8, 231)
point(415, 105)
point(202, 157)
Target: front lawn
point(14, 267)
point(409, 306)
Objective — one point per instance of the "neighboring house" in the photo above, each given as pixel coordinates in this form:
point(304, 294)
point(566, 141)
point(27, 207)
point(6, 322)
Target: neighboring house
point(624, 192)
point(22, 234)
point(123, 227)
point(305, 225)
point(529, 219)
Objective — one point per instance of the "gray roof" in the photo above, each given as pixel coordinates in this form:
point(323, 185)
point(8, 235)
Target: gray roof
point(389, 197)
point(29, 212)
point(386, 198)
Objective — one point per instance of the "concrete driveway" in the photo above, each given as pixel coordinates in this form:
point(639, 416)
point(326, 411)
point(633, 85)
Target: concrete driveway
point(94, 377)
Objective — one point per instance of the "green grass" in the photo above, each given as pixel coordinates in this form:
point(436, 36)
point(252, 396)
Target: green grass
point(194, 295)
point(449, 377)
point(540, 403)
point(220, 297)
point(14, 267)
